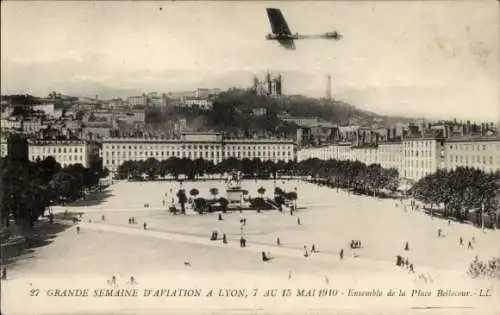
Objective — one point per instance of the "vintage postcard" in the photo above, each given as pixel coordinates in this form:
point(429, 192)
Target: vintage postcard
point(226, 157)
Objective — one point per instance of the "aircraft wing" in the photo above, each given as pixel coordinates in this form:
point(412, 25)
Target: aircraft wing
point(278, 22)
point(287, 43)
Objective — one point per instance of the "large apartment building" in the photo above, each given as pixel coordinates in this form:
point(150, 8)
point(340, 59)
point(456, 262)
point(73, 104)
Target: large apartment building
point(138, 100)
point(416, 157)
point(421, 156)
point(206, 145)
point(477, 152)
point(390, 155)
point(65, 152)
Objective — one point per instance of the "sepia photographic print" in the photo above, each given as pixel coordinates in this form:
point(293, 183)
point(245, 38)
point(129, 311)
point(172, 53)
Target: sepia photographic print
point(250, 157)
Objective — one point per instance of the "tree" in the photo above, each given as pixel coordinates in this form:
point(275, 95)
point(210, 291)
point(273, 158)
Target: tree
point(200, 205)
point(261, 191)
point(24, 196)
point(280, 200)
point(390, 179)
point(194, 192)
point(293, 197)
point(214, 192)
point(174, 166)
point(278, 191)
point(247, 167)
point(199, 166)
point(461, 191)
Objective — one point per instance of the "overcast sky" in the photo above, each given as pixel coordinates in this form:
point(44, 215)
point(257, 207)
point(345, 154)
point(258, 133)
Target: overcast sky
point(436, 59)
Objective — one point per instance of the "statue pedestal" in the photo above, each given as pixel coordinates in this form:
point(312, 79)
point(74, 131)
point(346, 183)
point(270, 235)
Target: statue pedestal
point(234, 197)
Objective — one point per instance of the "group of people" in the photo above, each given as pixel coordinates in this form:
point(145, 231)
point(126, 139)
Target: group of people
point(243, 242)
point(131, 220)
point(313, 250)
point(403, 262)
point(214, 235)
point(113, 280)
point(355, 244)
point(243, 222)
point(469, 246)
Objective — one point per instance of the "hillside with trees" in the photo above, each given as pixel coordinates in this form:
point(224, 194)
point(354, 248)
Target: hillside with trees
point(232, 113)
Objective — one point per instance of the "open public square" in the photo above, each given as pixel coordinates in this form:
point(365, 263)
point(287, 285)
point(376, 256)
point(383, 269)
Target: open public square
point(179, 246)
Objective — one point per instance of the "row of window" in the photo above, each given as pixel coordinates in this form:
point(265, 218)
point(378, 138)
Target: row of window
point(473, 147)
point(420, 163)
point(473, 159)
point(417, 154)
point(195, 146)
point(167, 153)
point(427, 143)
point(56, 149)
point(172, 147)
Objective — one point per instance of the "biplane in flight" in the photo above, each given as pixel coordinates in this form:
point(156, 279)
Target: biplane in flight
point(281, 32)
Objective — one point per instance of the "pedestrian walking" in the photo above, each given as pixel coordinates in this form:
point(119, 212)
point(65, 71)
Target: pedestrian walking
point(77, 230)
point(224, 238)
point(278, 242)
point(214, 236)
point(145, 226)
point(470, 245)
point(407, 247)
point(298, 221)
point(4, 273)
point(103, 218)
point(399, 260)
point(341, 254)
point(461, 241)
